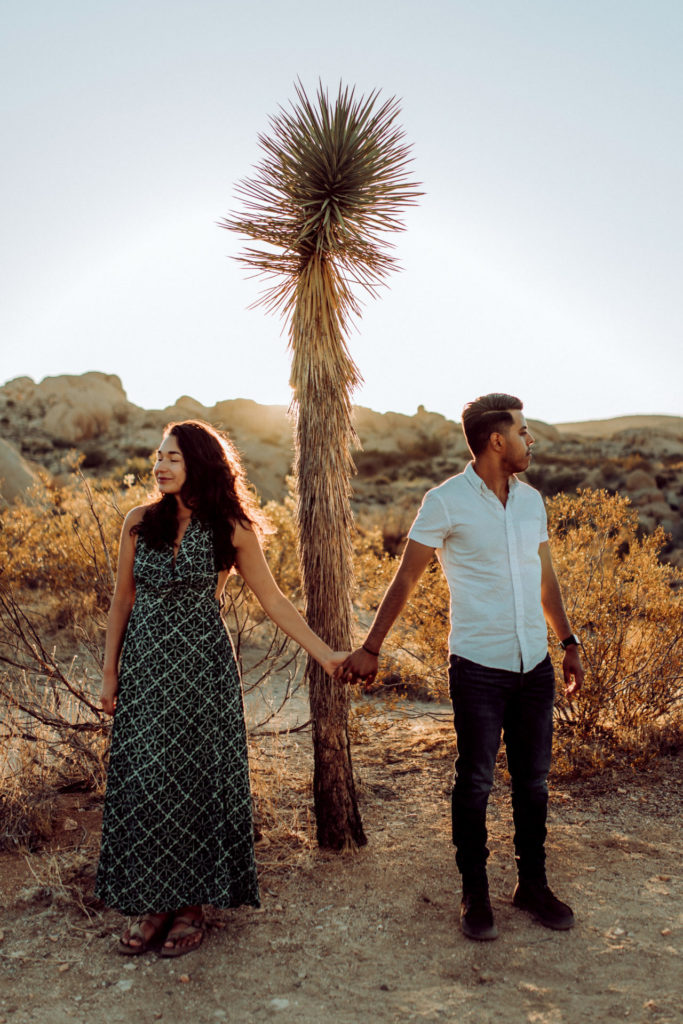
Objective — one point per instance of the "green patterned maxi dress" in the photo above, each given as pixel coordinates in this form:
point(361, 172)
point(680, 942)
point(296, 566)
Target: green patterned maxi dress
point(177, 827)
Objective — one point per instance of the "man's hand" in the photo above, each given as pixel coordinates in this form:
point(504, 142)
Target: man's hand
point(359, 665)
point(573, 671)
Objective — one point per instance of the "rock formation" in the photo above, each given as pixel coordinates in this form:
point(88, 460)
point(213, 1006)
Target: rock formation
point(47, 423)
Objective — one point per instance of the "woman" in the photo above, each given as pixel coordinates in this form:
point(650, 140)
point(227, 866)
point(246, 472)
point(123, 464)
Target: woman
point(177, 829)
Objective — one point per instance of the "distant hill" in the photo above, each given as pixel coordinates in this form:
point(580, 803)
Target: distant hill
point(609, 427)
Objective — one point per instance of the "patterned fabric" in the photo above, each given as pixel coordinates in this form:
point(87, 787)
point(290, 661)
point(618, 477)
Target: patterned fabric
point(177, 826)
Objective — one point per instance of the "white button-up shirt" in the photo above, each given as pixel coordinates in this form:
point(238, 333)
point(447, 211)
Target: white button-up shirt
point(489, 554)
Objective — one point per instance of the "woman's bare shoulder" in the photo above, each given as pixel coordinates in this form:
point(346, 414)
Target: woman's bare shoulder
point(242, 533)
point(135, 516)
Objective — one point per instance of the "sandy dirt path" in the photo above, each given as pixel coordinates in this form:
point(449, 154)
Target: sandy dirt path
point(374, 936)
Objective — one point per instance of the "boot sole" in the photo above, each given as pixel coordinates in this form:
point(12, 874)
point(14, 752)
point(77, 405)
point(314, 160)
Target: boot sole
point(557, 926)
point(479, 936)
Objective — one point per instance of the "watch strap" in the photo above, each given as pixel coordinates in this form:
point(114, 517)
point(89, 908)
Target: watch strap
point(570, 641)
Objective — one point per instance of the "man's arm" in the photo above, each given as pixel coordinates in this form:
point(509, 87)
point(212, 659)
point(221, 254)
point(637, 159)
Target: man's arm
point(362, 664)
point(553, 609)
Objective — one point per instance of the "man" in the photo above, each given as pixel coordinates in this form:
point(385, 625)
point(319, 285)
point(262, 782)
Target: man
point(490, 532)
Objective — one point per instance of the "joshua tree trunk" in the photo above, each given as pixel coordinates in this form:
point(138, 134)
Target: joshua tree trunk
point(324, 435)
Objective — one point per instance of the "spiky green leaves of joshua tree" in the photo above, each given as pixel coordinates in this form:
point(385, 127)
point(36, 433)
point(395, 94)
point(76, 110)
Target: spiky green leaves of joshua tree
point(331, 185)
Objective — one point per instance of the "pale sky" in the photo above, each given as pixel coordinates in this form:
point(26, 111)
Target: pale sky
point(544, 258)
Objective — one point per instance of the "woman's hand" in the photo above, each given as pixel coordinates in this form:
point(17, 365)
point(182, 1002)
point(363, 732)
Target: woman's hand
point(334, 662)
point(110, 688)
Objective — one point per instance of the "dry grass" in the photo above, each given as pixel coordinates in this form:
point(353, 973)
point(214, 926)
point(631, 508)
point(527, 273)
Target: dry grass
point(281, 770)
point(63, 879)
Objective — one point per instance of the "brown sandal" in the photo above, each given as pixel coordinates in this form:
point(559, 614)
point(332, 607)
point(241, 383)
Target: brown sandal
point(160, 923)
point(194, 926)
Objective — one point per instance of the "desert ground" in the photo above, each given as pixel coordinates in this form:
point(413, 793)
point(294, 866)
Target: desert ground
point(374, 935)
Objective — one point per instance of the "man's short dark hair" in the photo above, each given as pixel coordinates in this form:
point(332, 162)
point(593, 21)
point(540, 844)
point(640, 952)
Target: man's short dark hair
point(486, 415)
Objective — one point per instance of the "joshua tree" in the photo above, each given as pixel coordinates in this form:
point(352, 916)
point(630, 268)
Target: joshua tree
point(332, 181)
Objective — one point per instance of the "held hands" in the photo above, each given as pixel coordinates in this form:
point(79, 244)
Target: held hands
point(359, 665)
point(332, 665)
point(110, 688)
point(573, 671)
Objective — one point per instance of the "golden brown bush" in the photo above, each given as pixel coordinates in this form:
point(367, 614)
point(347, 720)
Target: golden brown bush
point(627, 607)
point(62, 542)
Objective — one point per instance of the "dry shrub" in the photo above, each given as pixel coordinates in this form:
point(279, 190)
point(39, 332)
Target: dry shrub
point(627, 607)
point(262, 651)
point(61, 543)
point(281, 545)
point(64, 879)
point(27, 805)
point(53, 735)
point(392, 522)
point(281, 774)
point(52, 740)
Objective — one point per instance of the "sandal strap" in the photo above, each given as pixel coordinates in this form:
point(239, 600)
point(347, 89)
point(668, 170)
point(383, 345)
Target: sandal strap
point(195, 923)
point(193, 927)
point(156, 921)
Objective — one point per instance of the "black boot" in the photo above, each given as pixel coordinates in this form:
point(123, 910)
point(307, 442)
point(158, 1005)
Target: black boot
point(536, 897)
point(476, 916)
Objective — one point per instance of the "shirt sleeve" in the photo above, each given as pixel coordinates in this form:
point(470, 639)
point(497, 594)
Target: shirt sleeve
point(431, 525)
point(543, 526)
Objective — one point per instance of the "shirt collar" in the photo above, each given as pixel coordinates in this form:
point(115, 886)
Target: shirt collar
point(476, 481)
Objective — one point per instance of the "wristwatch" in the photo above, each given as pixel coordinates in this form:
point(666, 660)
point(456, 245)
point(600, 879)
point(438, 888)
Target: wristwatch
point(571, 640)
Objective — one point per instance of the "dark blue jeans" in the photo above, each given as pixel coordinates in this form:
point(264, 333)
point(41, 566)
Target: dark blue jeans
point(486, 703)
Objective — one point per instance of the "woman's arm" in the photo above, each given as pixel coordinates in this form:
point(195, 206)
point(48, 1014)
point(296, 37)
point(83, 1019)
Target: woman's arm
point(253, 568)
point(119, 611)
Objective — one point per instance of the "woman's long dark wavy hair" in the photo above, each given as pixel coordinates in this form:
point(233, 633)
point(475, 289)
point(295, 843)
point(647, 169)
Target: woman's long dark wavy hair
point(216, 490)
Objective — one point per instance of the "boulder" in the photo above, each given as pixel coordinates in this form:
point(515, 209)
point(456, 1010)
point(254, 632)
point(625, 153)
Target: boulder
point(543, 431)
point(81, 408)
point(16, 475)
point(425, 434)
point(185, 408)
point(245, 420)
point(21, 389)
point(267, 468)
